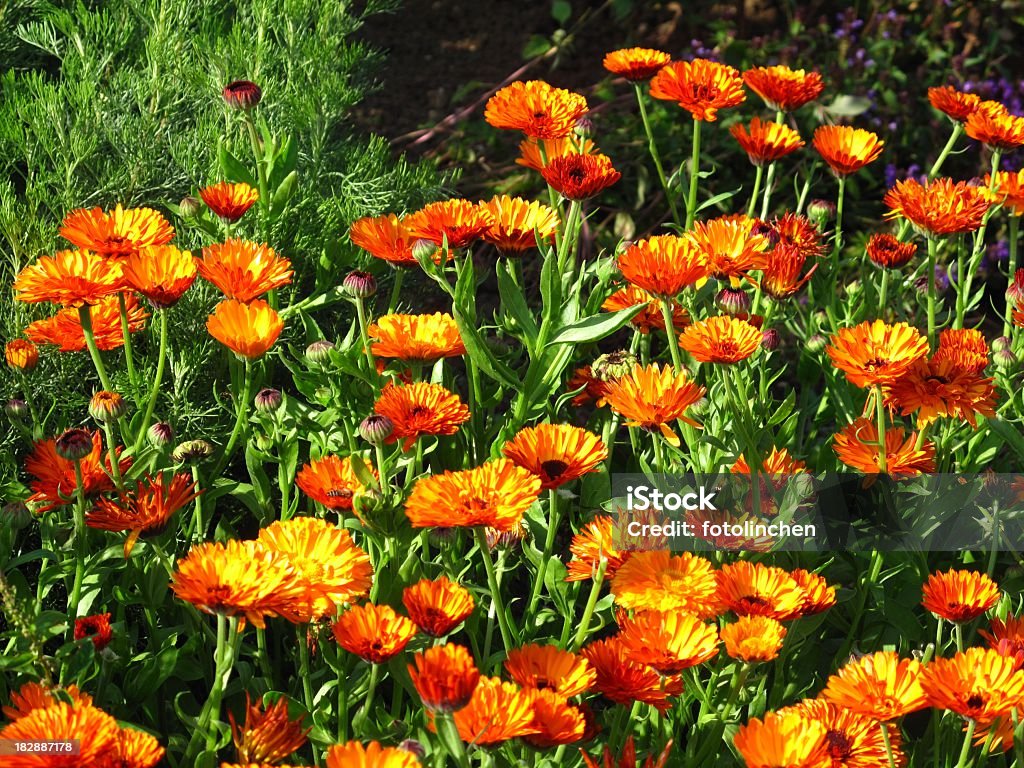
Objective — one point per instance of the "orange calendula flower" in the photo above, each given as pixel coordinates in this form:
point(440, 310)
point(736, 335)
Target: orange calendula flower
point(886, 251)
point(940, 388)
point(980, 684)
point(1004, 635)
point(660, 581)
point(229, 201)
point(654, 397)
point(651, 316)
point(783, 739)
point(331, 481)
point(118, 233)
point(880, 685)
point(69, 278)
point(239, 578)
point(439, 606)
point(701, 87)
point(518, 224)
point(333, 568)
point(636, 64)
point(846, 149)
point(667, 641)
point(663, 265)
point(420, 409)
point(548, 667)
point(956, 105)
point(496, 712)
point(939, 206)
point(852, 740)
point(556, 453)
point(445, 677)
point(596, 542)
point(95, 731)
point(799, 231)
point(782, 88)
point(818, 595)
point(781, 272)
point(416, 338)
point(384, 237)
point(625, 681)
point(592, 389)
point(374, 633)
point(874, 353)
point(777, 463)
point(992, 124)
point(64, 330)
point(134, 749)
point(1009, 188)
point(161, 273)
point(495, 494)
point(755, 589)
point(144, 510)
point(730, 245)
point(54, 477)
point(964, 346)
point(248, 330)
point(96, 628)
point(628, 757)
point(268, 735)
point(579, 177)
point(244, 270)
point(32, 696)
point(354, 755)
point(765, 142)
point(724, 339)
point(535, 154)
point(555, 722)
point(21, 355)
point(959, 596)
point(454, 223)
point(537, 109)
point(753, 638)
point(857, 447)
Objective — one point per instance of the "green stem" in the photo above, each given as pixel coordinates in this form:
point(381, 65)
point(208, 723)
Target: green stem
point(739, 680)
point(85, 318)
point(670, 331)
point(653, 148)
point(549, 543)
point(588, 610)
point(888, 744)
point(257, 154)
point(80, 548)
point(880, 416)
point(883, 292)
point(769, 183)
point(758, 176)
point(965, 750)
point(933, 246)
point(492, 583)
point(838, 240)
point(691, 198)
point(1012, 267)
point(154, 392)
point(961, 277)
point(242, 412)
point(197, 528)
point(342, 703)
point(937, 165)
point(396, 290)
point(115, 465)
point(370, 362)
point(371, 690)
point(128, 359)
point(451, 738)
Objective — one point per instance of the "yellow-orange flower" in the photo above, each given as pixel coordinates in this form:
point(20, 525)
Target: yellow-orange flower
point(579, 177)
point(555, 721)
point(725, 340)
point(979, 684)
point(788, 739)
point(64, 330)
point(595, 542)
point(496, 712)
point(495, 494)
point(966, 347)
point(940, 388)
point(69, 278)
point(778, 463)
point(419, 409)
point(548, 667)
point(95, 731)
point(53, 477)
point(939, 206)
point(384, 237)
point(268, 735)
point(654, 397)
point(660, 581)
point(374, 633)
point(518, 224)
point(636, 64)
point(651, 316)
point(956, 105)
point(663, 265)
point(799, 231)
point(667, 641)
point(229, 201)
point(1009, 189)
point(330, 481)
point(536, 108)
point(244, 270)
point(556, 453)
point(781, 270)
point(846, 149)
point(992, 124)
point(352, 754)
point(857, 447)
point(535, 154)
point(819, 596)
point(437, 606)
point(416, 338)
point(886, 251)
point(161, 273)
point(766, 142)
point(701, 87)
point(624, 681)
point(730, 245)
point(21, 355)
point(248, 330)
point(454, 223)
point(874, 353)
point(118, 233)
point(852, 740)
point(879, 685)
point(1006, 635)
point(958, 595)
point(782, 88)
point(32, 696)
point(134, 749)
point(753, 638)
point(445, 677)
point(755, 589)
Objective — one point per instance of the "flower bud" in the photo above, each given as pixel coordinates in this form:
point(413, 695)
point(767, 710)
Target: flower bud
point(699, 408)
point(105, 406)
point(359, 285)
point(414, 747)
point(816, 343)
point(16, 514)
point(264, 442)
point(424, 249)
point(160, 434)
point(854, 288)
point(613, 365)
point(584, 127)
point(21, 354)
point(733, 301)
point(74, 445)
point(770, 339)
point(1002, 342)
point(506, 539)
point(821, 212)
point(242, 94)
point(375, 429)
point(319, 351)
point(367, 503)
point(190, 206)
point(16, 410)
point(192, 452)
point(268, 400)
point(1005, 360)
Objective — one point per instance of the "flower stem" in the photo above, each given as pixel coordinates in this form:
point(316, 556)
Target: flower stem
point(451, 739)
point(1012, 267)
point(549, 543)
point(837, 242)
point(769, 183)
point(396, 290)
point(371, 689)
point(242, 411)
point(966, 748)
point(758, 176)
point(691, 198)
point(961, 279)
point(80, 544)
point(128, 359)
point(670, 331)
point(888, 745)
point(883, 292)
point(653, 148)
point(492, 583)
point(154, 392)
point(370, 362)
point(85, 318)
point(933, 246)
point(588, 610)
point(115, 466)
point(880, 416)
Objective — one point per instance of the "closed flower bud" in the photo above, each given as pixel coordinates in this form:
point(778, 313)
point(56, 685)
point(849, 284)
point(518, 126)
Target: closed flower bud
point(613, 365)
point(16, 514)
point(1003, 342)
point(506, 539)
point(375, 429)
point(192, 452)
point(21, 354)
point(584, 127)
point(189, 207)
point(107, 406)
point(853, 288)
point(359, 285)
point(1005, 360)
point(367, 503)
point(242, 94)
point(16, 410)
point(733, 301)
point(442, 537)
point(264, 442)
point(770, 339)
point(700, 407)
point(268, 400)
point(74, 444)
point(413, 747)
point(319, 351)
point(423, 249)
point(821, 212)
point(816, 343)
point(160, 434)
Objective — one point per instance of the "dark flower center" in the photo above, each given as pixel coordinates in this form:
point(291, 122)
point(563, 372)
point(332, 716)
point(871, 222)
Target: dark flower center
point(838, 744)
point(975, 701)
point(554, 468)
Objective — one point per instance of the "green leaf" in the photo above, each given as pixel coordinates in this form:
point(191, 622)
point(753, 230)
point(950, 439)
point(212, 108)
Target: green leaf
point(513, 300)
point(846, 105)
point(717, 199)
point(231, 167)
point(591, 329)
point(561, 11)
point(285, 191)
point(363, 473)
